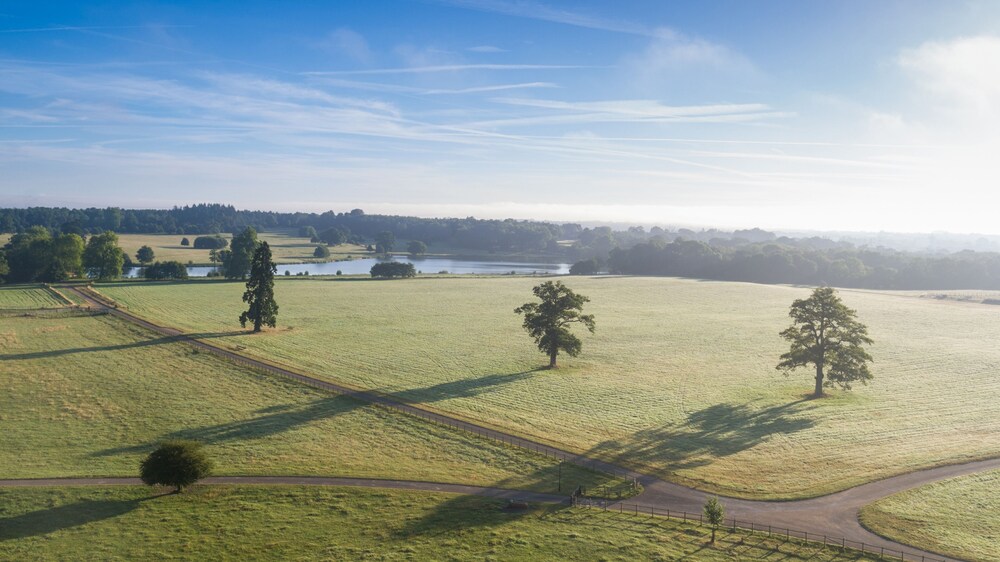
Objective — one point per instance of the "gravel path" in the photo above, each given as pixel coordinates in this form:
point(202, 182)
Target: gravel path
point(834, 515)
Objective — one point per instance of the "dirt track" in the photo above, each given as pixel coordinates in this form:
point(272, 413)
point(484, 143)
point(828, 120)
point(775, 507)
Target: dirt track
point(834, 515)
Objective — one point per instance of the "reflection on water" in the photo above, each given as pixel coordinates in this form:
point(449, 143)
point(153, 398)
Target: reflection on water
point(424, 265)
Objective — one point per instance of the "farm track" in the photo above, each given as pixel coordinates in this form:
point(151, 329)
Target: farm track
point(833, 515)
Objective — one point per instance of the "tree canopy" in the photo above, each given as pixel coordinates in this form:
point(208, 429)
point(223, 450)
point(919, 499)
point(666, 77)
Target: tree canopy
point(392, 270)
point(178, 463)
point(102, 258)
point(826, 334)
point(715, 514)
point(384, 242)
point(145, 255)
point(236, 262)
point(548, 321)
point(416, 248)
point(259, 296)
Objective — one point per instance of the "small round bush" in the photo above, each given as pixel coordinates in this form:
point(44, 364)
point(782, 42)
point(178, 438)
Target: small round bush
point(321, 252)
point(178, 463)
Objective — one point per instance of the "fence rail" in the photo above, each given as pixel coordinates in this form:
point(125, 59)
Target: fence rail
point(756, 528)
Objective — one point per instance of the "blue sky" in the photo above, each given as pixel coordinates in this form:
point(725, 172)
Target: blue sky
point(799, 114)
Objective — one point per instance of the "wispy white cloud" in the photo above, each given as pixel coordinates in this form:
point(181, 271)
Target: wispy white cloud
point(492, 88)
point(446, 68)
point(538, 11)
point(486, 49)
point(345, 41)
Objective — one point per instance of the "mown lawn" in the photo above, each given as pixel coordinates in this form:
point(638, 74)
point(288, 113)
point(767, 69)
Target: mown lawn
point(286, 247)
point(90, 396)
point(957, 517)
point(28, 296)
point(293, 523)
point(678, 380)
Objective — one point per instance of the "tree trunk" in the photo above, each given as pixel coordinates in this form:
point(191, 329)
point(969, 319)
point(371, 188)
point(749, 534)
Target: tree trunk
point(256, 325)
point(713, 534)
point(552, 358)
point(819, 381)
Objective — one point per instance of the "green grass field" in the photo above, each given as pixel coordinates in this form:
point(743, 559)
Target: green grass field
point(28, 297)
point(90, 396)
point(678, 380)
point(296, 523)
point(285, 246)
point(957, 517)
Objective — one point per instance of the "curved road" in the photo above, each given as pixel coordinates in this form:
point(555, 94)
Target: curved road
point(834, 515)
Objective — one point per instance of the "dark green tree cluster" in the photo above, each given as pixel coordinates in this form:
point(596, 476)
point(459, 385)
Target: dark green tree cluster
point(483, 235)
point(393, 270)
point(214, 242)
point(145, 255)
point(38, 255)
point(237, 260)
point(384, 242)
point(548, 321)
point(321, 252)
point(416, 248)
point(165, 270)
point(809, 262)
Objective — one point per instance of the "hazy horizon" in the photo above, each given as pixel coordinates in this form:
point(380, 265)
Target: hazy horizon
point(846, 117)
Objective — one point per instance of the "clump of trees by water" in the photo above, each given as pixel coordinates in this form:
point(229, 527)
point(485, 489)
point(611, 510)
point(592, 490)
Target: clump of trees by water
point(393, 270)
point(39, 255)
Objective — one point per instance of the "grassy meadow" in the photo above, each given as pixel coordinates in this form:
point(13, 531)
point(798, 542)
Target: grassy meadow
point(679, 379)
point(957, 517)
point(29, 297)
point(293, 523)
point(285, 246)
point(92, 395)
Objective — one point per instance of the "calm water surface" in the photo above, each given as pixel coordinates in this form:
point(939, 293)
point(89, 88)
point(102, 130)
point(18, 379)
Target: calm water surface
point(425, 265)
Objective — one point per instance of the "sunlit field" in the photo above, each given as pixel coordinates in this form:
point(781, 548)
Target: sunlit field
point(91, 396)
point(679, 379)
point(296, 523)
point(27, 297)
point(957, 517)
point(285, 247)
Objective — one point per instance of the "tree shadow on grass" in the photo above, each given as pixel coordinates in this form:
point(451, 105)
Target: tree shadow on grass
point(464, 388)
point(118, 347)
point(717, 431)
point(45, 521)
point(268, 421)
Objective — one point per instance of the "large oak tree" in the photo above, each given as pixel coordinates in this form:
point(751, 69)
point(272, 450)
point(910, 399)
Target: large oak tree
point(548, 321)
point(826, 334)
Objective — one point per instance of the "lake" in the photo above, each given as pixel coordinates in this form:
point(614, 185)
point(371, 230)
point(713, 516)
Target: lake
point(424, 265)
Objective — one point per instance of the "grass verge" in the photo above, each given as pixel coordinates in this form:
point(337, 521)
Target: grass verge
point(956, 517)
point(283, 523)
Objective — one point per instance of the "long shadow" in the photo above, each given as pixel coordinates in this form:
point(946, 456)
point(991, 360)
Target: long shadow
point(716, 431)
point(464, 388)
point(118, 347)
point(269, 421)
point(45, 521)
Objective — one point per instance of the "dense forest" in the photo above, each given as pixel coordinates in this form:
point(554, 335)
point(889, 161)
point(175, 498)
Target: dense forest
point(468, 233)
point(744, 255)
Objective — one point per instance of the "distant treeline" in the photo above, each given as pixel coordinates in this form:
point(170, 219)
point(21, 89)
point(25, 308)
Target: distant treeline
point(807, 262)
point(469, 233)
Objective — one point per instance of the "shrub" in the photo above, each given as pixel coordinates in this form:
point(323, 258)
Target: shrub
point(185, 242)
point(215, 242)
point(586, 267)
point(392, 269)
point(166, 270)
point(339, 272)
point(321, 252)
point(177, 463)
